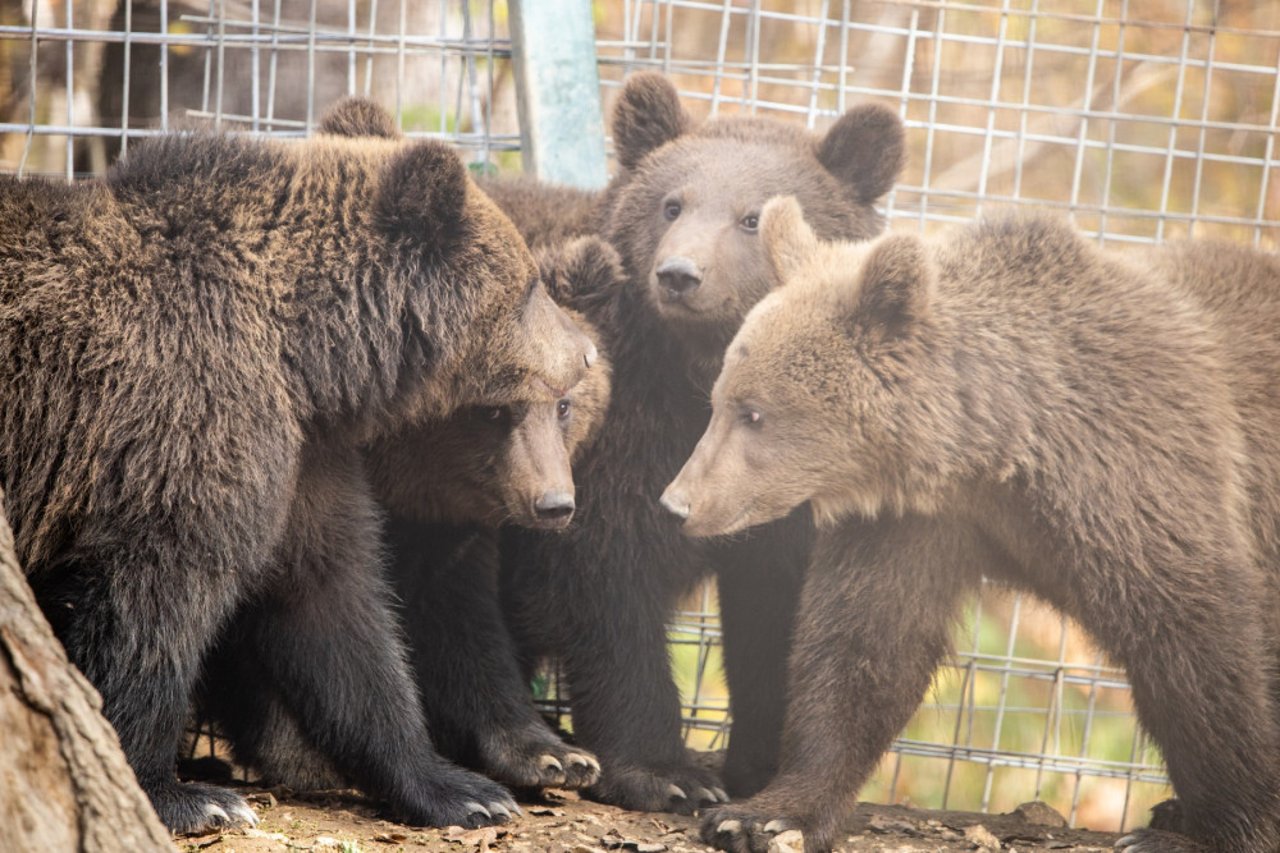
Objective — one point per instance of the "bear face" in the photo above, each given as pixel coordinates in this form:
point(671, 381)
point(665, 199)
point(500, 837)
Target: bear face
point(507, 463)
point(685, 209)
point(817, 397)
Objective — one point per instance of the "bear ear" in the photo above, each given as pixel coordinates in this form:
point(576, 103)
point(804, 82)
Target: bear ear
point(422, 192)
point(580, 271)
point(788, 240)
point(353, 116)
point(866, 150)
point(894, 288)
point(648, 115)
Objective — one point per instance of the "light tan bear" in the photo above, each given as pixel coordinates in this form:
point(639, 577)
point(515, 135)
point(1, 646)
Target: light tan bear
point(1008, 399)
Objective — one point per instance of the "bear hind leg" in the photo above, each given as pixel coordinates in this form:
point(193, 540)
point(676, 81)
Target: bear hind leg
point(1201, 687)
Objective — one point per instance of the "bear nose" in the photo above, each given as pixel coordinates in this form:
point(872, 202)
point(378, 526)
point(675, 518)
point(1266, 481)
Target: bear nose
point(553, 506)
point(678, 276)
point(676, 504)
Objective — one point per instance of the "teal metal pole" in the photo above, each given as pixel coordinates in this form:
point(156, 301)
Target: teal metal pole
point(553, 46)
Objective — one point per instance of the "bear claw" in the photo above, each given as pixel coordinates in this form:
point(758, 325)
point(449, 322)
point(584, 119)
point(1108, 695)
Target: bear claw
point(730, 827)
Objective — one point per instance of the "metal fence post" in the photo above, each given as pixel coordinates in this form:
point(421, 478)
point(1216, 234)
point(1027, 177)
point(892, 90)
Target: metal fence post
point(558, 91)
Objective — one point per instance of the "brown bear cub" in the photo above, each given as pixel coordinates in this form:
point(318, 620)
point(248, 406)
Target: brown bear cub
point(443, 537)
point(190, 351)
point(682, 213)
point(445, 487)
point(1008, 399)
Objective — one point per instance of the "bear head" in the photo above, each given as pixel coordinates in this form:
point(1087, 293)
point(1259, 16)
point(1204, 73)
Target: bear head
point(508, 463)
point(831, 392)
point(491, 331)
point(684, 210)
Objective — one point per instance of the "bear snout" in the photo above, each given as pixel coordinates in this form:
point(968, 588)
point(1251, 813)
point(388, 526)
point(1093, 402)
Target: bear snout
point(675, 502)
point(554, 508)
point(678, 276)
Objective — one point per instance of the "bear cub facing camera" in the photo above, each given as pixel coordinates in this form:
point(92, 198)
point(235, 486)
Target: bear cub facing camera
point(1009, 400)
point(682, 213)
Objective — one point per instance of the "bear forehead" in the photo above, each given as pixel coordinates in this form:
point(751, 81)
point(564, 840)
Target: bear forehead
point(760, 168)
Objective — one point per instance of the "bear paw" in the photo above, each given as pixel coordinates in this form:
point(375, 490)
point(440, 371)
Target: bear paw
point(680, 789)
point(456, 797)
point(538, 759)
point(746, 829)
point(193, 808)
point(1158, 841)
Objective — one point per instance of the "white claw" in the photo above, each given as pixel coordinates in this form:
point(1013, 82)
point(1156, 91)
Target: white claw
point(729, 826)
point(500, 810)
point(1127, 841)
point(245, 814)
point(577, 758)
point(704, 796)
point(514, 807)
point(548, 762)
point(675, 792)
point(216, 811)
point(473, 807)
point(721, 794)
point(774, 827)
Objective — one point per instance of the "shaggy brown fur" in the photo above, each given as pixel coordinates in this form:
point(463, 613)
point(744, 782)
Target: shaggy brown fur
point(189, 350)
point(545, 214)
point(1008, 399)
point(598, 597)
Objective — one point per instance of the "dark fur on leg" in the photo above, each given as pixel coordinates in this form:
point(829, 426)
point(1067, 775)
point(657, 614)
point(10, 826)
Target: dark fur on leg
point(477, 701)
point(759, 581)
point(329, 613)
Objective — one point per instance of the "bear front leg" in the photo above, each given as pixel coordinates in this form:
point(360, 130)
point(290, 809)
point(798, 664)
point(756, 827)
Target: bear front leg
point(477, 702)
point(872, 627)
point(250, 712)
point(601, 608)
point(136, 619)
point(1190, 637)
point(759, 578)
point(325, 637)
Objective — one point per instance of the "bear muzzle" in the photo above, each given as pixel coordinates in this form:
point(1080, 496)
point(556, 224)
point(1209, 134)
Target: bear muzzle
point(678, 277)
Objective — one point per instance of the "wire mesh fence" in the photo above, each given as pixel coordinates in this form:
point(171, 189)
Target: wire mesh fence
point(1143, 120)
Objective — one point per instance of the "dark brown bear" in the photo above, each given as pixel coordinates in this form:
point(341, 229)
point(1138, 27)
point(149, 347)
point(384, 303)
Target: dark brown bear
point(1009, 400)
point(445, 486)
point(682, 212)
point(189, 351)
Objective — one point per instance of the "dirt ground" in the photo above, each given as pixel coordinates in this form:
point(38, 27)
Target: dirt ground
point(343, 822)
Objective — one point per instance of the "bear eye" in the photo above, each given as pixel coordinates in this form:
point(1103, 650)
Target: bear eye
point(495, 415)
point(751, 417)
point(671, 210)
point(562, 409)
point(750, 222)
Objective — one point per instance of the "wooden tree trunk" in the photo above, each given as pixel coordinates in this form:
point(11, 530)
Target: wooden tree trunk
point(64, 783)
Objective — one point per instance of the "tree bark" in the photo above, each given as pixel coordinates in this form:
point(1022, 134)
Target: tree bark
point(64, 782)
